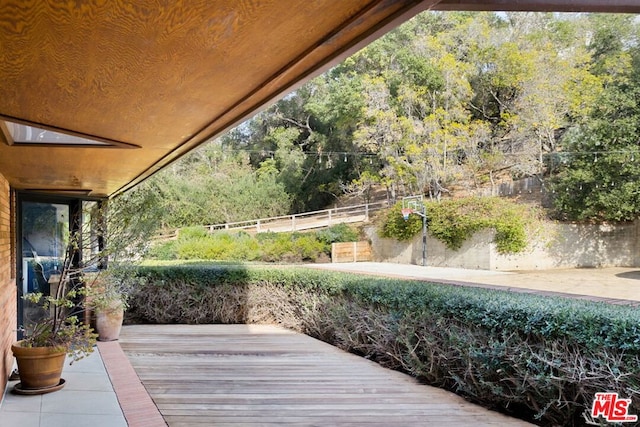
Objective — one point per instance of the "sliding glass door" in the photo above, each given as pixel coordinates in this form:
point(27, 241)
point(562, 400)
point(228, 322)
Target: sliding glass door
point(46, 225)
point(44, 229)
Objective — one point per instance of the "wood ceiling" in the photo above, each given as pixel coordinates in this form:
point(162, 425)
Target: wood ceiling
point(153, 79)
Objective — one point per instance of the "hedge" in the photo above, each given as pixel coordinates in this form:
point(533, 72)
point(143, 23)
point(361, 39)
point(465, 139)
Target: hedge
point(539, 358)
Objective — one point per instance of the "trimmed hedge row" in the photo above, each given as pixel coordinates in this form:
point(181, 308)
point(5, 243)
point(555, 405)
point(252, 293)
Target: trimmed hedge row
point(538, 358)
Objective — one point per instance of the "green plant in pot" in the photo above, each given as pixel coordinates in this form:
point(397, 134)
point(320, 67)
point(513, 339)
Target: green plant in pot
point(56, 332)
point(107, 297)
point(112, 232)
point(129, 221)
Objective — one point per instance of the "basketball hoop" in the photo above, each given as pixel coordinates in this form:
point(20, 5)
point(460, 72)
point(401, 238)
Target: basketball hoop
point(415, 205)
point(406, 212)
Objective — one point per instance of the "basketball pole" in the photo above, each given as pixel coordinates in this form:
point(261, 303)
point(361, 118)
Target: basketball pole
point(423, 214)
point(424, 235)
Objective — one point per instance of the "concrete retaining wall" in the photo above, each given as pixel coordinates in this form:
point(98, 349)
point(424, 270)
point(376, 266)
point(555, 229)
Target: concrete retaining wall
point(556, 246)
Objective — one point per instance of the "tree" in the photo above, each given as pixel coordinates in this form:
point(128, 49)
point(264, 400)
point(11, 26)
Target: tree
point(446, 100)
point(213, 186)
point(131, 219)
point(596, 179)
point(417, 119)
point(528, 68)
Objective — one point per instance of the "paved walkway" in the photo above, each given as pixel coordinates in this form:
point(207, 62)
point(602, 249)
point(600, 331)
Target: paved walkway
point(616, 285)
point(87, 399)
point(101, 390)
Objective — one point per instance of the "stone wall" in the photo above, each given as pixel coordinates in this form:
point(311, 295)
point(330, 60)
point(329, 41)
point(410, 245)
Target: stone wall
point(8, 304)
point(556, 246)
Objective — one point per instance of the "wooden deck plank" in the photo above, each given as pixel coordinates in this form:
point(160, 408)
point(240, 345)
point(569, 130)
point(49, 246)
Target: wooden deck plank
point(420, 421)
point(262, 375)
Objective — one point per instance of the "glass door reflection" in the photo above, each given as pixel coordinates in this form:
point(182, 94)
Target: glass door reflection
point(45, 235)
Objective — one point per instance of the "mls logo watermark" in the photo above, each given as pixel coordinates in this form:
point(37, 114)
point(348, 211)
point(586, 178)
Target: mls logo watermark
point(612, 408)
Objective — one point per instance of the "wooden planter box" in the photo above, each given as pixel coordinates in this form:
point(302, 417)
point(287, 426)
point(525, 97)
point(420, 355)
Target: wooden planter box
point(351, 252)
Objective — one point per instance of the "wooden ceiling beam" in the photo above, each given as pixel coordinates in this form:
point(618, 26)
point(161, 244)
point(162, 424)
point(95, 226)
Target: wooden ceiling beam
point(371, 23)
point(165, 77)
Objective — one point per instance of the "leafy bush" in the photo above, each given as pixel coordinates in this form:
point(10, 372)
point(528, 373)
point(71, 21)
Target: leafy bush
point(395, 226)
point(194, 232)
point(539, 358)
point(275, 246)
point(337, 234)
point(164, 251)
point(198, 243)
point(309, 247)
point(453, 221)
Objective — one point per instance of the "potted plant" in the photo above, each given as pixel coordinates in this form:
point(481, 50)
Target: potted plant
point(115, 233)
point(107, 298)
point(56, 333)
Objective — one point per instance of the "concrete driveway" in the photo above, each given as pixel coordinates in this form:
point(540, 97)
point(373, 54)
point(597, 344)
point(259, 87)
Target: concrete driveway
point(618, 285)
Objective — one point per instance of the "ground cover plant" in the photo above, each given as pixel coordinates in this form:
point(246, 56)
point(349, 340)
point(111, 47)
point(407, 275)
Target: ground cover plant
point(538, 358)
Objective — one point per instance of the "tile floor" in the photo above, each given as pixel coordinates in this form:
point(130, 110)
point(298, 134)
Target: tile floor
point(87, 399)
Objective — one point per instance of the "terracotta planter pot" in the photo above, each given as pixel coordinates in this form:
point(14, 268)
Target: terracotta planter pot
point(109, 323)
point(39, 367)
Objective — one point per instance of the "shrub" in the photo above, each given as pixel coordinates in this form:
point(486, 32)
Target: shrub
point(453, 221)
point(395, 226)
point(195, 232)
point(198, 243)
point(540, 358)
point(165, 251)
point(337, 234)
point(244, 247)
point(275, 246)
point(308, 246)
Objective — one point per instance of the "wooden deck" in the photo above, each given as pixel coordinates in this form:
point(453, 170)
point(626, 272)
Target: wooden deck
point(259, 375)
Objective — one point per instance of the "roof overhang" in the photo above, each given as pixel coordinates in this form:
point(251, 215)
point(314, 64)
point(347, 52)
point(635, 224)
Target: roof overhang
point(144, 82)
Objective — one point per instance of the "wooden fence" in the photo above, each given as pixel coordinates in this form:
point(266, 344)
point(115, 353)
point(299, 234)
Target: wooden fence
point(297, 222)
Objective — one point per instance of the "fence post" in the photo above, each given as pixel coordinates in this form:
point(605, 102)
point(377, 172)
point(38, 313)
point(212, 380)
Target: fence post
point(366, 211)
point(258, 226)
point(329, 216)
point(293, 223)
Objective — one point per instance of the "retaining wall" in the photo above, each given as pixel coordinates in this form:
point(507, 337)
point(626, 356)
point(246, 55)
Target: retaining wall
point(556, 246)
